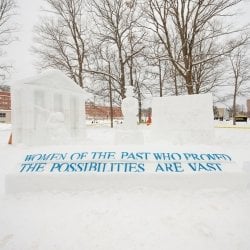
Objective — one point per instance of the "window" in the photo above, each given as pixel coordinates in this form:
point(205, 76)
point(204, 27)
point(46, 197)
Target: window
point(3, 115)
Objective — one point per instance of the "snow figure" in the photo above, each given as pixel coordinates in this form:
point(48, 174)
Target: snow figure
point(129, 132)
point(130, 109)
point(57, 130)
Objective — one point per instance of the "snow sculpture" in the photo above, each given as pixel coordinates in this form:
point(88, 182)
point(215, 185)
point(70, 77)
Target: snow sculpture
point(129, 109)
point(129, 133)
point(183, 119)
point(48, 109)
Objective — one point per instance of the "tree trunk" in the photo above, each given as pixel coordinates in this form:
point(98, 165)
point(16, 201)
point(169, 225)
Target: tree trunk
point(160, 78)
point(189, 84)
point(122, 73)
point(110, 101)
point(139, 104)
point(234, 104)
point(175, 83)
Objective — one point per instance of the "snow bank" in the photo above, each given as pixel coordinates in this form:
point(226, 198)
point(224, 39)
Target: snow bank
point(127, 211)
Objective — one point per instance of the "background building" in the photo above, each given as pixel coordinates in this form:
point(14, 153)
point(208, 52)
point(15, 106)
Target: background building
point(5, 107)
point(98, 112)
point(5, 101)
point(248, 108)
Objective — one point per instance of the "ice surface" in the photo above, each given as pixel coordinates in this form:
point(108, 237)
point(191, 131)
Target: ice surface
point(48, 109)
point(183, 119)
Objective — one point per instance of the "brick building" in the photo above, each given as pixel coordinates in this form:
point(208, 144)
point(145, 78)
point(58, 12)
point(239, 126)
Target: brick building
point(5, 107)
point(101, 112)
point(5, 101)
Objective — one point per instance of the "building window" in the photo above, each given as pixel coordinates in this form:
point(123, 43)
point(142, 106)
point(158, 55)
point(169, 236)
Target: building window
point(3, 115)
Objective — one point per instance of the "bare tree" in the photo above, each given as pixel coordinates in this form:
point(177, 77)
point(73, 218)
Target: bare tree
point(208, 74)
point(103, 79)
point(4, 88)
point(161, 70)
point(140, 84)
point(7, 11)
point(191, 23)
point(240, 68)
point(156, 69)
point(60, 39)
point(117, 29)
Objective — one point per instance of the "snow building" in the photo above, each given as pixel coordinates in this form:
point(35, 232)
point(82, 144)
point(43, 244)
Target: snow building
point(48, 109)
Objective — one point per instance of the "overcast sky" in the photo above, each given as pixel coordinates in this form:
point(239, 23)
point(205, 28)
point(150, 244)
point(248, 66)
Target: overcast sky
point(19, 51)
point(29, 11)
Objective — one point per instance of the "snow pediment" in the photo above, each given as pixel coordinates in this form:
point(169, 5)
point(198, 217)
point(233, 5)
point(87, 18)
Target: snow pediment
point(52, 79)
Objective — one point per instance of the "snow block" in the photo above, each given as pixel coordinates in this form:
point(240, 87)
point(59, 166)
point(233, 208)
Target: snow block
point(183, 119)
point(30, 183)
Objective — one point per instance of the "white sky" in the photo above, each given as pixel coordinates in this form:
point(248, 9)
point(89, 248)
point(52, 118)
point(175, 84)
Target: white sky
point(19, 51)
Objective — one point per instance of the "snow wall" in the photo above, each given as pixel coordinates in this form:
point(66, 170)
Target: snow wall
point(183, 119)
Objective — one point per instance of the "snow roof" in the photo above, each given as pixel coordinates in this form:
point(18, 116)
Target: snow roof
point(51, 79)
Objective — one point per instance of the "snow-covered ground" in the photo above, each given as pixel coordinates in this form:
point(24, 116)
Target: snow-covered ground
point(131, 214)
